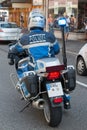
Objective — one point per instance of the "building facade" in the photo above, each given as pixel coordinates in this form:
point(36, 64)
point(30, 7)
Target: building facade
point(18, 8)
point(77, 8)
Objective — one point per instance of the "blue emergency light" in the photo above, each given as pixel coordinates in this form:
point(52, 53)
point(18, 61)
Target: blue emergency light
point(62, 22)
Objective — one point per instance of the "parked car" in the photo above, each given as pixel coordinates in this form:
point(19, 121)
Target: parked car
point(81, 61)
point(9, 31)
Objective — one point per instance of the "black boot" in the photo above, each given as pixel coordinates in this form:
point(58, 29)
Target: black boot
point(11, 62)
point(67, 104)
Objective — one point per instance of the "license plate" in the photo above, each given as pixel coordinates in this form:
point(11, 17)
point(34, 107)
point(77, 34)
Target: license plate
point(54, 89)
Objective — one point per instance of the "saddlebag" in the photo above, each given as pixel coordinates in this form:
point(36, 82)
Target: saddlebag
point(30, 82)
point(70, 79)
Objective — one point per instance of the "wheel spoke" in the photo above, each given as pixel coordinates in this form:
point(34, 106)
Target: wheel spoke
point(81, 66)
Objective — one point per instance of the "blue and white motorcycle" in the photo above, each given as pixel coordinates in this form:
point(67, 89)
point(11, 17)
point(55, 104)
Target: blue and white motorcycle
point(44, 86)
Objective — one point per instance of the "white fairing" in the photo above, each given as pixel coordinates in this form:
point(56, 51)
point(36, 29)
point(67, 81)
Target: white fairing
point(83, 53)
point(46, 62)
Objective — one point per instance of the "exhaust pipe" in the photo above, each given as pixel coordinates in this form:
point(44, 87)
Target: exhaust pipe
point(39, 104)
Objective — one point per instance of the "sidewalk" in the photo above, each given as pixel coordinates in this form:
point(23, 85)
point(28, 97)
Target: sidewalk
point(72, 35)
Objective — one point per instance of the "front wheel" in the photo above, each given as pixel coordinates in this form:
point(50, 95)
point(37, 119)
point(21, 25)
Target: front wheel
point(53, 115)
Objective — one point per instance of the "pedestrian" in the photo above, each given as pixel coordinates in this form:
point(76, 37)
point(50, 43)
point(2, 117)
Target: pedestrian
point(85, 24)
point(72, 22)
point(50, 23)
point(66, 28)
point(21, 21)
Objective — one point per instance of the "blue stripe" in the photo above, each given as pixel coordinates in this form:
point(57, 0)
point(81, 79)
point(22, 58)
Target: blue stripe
point(39, 52)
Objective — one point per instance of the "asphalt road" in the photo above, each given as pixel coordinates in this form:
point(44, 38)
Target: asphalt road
point(33, 119)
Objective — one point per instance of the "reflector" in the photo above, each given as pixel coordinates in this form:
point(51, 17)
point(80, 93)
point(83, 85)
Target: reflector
point(53, 75)
point(55, 68)
point(57, 100)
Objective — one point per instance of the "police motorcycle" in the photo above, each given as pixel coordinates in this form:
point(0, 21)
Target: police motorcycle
point(43, 87)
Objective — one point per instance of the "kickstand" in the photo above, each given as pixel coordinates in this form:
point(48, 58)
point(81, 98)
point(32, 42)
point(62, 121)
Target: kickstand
point(27, 105)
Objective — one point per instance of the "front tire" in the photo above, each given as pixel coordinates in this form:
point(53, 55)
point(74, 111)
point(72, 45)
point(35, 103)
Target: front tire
point(81, 67)
point(53, 115)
